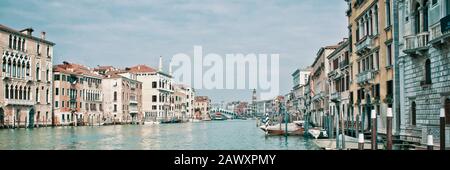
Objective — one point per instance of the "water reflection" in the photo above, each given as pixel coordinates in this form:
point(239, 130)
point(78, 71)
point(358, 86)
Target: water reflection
point(227, 135)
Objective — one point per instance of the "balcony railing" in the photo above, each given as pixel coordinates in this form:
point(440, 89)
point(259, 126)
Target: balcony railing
point(365, 77)
point(343, 64)
point(440, 32)
point(19, 102)
point(416, 42)
point(364, 45)
point(336, 96)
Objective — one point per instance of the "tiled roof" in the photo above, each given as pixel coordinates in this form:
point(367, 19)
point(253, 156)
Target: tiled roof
point(141, 69)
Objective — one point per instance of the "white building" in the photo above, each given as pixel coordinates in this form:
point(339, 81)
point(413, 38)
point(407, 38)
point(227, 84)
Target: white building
point(157, 92)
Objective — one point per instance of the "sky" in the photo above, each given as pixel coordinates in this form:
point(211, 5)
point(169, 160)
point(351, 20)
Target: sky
point(124, 33)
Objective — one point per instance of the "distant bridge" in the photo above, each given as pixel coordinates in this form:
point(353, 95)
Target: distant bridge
point(227, 113)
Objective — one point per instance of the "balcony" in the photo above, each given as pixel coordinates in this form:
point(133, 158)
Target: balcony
point(19, 102)
point(365, 77)
point(440, 33)
point(364, 45)
point(343, 64)
point(133, 101)
point(414, 44)
point(335, 97)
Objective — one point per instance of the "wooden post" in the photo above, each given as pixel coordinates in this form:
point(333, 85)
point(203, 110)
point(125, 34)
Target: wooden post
point(337, 126)
point(442, 129)
point(343, 129)
point(361, 141)
point(389, 116)
point(430, 142)
point(374, 129)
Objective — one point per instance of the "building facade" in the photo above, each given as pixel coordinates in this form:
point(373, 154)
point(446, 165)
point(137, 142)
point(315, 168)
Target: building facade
point(157, 92)
point(25, 98)
point(300, 78)
point(423, 68)
point(122, 98)
point(78, 95)
point(202, 107)
point(339, 80)
point(372, 59)
point(319, 86)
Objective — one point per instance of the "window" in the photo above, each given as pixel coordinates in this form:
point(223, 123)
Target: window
point(48, 51)
point(388, 13)
point(57, 91)
point(62, 103)
point(153, 107)
point(413, 113)
point(447, 111)
point(37, 95)
point(115, 96)
point(62, 92)
point(154, 84)
point(377, 60)
point(115, 108)
point(10, 41)
point(56, 104)
point(428, 71)
point(389, 55)
point(38, 49)
point(56, 77)
point(154, 98)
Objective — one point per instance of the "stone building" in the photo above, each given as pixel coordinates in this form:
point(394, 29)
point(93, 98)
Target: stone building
point(424, 73)
point(26, 78)
point(300, 78)
point(201, 107)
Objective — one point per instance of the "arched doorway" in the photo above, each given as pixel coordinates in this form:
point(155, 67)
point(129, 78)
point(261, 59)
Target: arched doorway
point(2, 117)
point(31, 118)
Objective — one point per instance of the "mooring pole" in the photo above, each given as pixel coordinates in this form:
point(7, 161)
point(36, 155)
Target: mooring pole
point(442, 129)
point(389, 128)
point(361, 141)
point(430, 142)
point(374, 129)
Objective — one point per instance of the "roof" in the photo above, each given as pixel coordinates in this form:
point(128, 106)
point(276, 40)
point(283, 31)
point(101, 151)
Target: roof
point(141, 69)
point(201, 99)
point(11, 30)
point(78, 69)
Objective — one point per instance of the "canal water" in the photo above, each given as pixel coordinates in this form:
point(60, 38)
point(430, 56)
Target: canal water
point(212, 135)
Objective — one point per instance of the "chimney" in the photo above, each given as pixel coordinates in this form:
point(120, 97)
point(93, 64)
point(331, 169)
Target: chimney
point(43, 35)
point(27, 31)
point(160, 64)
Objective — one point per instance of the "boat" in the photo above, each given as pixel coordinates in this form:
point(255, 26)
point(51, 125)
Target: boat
point(318, 133)
point(279, 129)
point(351, 143)
point(218, 116)
point(171, 121)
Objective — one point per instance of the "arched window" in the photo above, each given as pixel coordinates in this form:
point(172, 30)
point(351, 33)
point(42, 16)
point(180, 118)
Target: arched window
point(428, 71)
point(11, 92)
point(37, 94)
point(10, 41)
point(6, 91)
point(20, 93)
point(24, 95)
point(28, 68)
point(29, 93)
point(14, 42)
point(37, 72)
point(14, 68)
point(413, 113)
point(23, 45)
point(16, 91)
point(4, 63)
